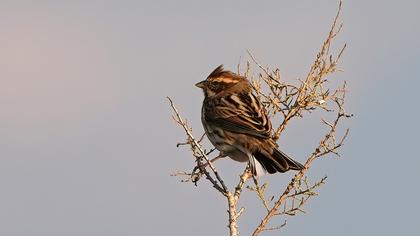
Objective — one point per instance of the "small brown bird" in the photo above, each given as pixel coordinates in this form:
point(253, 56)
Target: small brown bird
point(236, 123)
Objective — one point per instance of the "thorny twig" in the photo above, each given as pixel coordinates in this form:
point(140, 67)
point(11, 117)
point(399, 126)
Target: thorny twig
point(289, 101)
point(310, 95)
point(199, 153)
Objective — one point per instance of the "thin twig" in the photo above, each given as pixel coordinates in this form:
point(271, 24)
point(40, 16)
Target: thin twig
point(222, 187)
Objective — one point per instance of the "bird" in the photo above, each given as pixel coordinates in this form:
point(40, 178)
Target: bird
point(237, 124)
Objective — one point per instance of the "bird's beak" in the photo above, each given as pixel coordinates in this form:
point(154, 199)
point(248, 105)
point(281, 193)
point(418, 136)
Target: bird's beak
point(201, 84)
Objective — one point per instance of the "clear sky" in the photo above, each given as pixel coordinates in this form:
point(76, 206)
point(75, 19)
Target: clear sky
point(86, 139)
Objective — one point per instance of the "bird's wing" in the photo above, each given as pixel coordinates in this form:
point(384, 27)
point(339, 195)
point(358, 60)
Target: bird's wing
point(240, 113)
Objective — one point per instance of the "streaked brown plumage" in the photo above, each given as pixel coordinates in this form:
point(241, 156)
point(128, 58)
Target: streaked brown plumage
point(236, 123)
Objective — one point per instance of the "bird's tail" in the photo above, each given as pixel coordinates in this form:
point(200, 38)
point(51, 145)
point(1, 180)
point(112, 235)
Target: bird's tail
point(278, 161)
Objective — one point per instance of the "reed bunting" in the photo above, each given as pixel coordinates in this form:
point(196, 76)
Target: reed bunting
point(236, 123)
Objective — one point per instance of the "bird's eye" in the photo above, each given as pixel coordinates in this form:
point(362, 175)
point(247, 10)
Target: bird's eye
point(215, 86)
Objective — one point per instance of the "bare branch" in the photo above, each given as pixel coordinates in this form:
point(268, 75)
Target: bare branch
point(285, 102)
point(311, 94)
point(197, 148)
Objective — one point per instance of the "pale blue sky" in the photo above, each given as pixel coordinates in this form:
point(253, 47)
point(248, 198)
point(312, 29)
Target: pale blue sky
point(87, 143)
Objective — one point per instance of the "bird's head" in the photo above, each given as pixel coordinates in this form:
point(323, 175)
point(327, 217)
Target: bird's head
point(221, 80)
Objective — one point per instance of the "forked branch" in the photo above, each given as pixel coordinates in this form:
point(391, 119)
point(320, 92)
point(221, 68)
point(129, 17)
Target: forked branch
point(283, 101)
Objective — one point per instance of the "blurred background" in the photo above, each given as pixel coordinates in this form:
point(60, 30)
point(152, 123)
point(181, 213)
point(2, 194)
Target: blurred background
point(87, 143)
